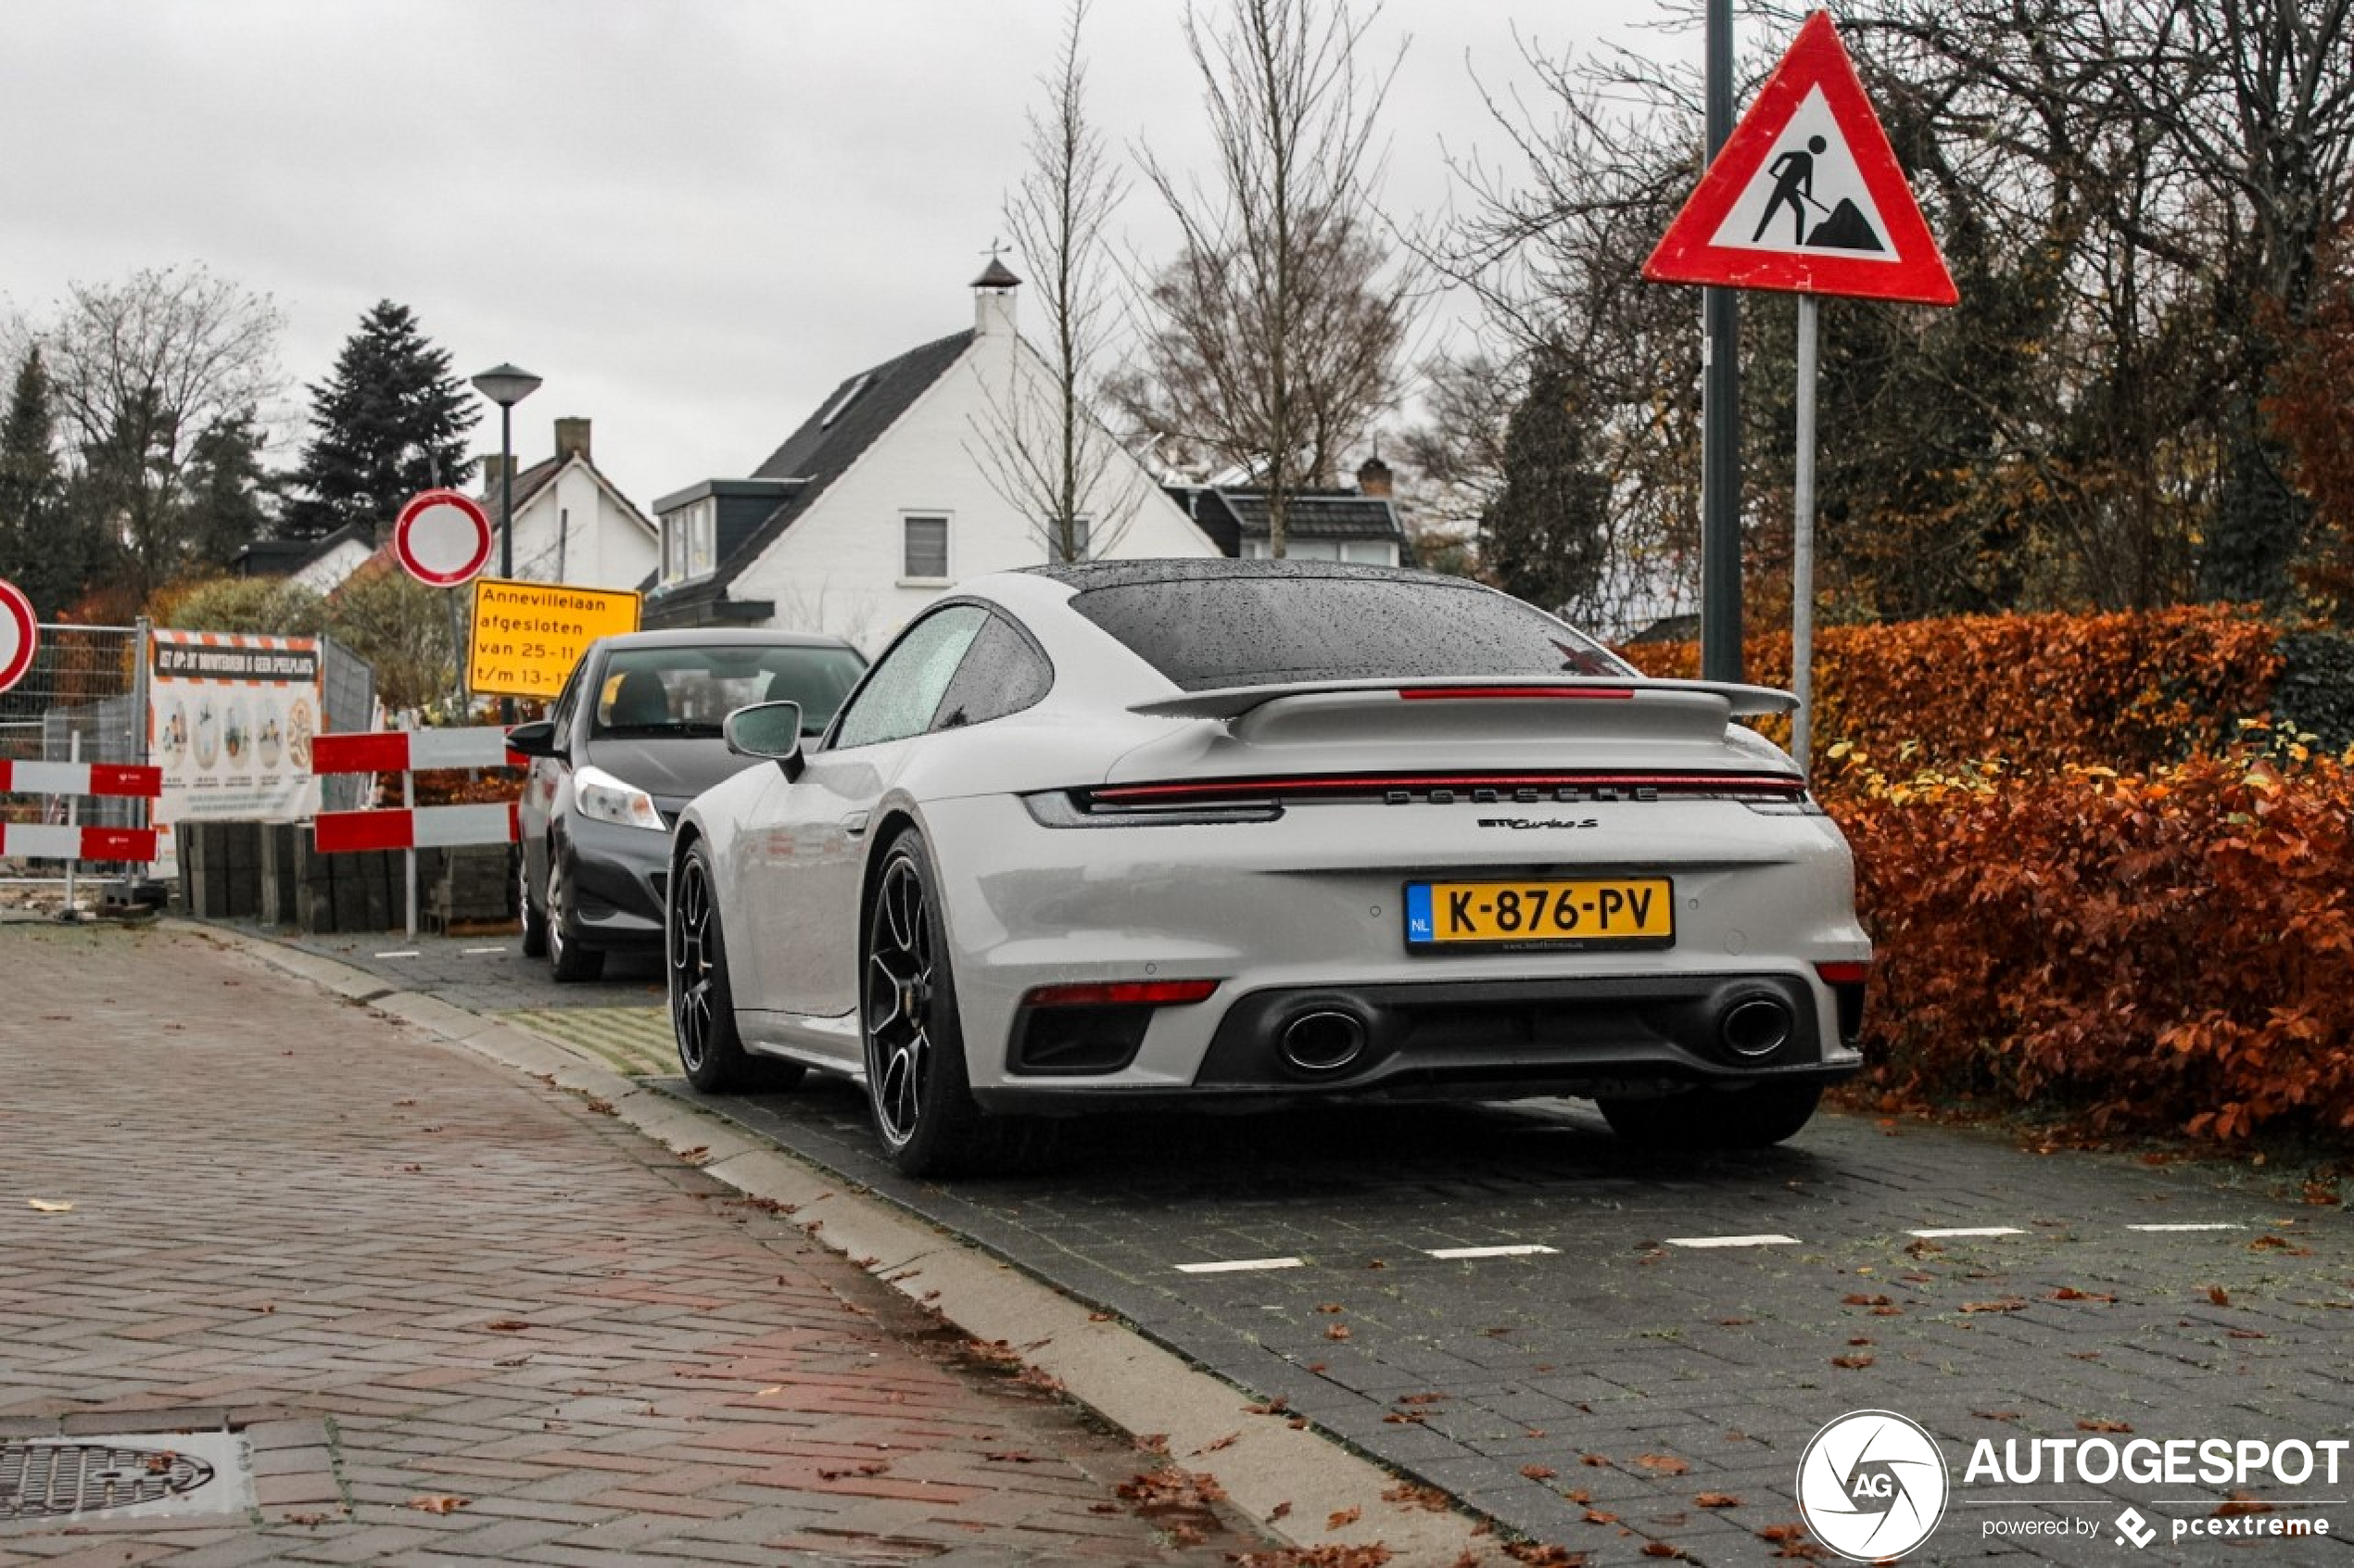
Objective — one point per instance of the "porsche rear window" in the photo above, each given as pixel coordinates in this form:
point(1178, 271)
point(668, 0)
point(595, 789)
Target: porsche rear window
point(1208, 633)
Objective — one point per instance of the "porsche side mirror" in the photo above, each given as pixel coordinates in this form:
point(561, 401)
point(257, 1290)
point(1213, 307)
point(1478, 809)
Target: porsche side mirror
point(537, 739)
point(769, 731)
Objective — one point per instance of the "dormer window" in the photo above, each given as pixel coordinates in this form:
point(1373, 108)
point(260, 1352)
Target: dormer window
point(690, 541)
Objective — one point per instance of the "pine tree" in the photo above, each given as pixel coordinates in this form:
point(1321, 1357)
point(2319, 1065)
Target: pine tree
point(390, 421)
point(1544, 535)
point(45, 549)
point(226, 487)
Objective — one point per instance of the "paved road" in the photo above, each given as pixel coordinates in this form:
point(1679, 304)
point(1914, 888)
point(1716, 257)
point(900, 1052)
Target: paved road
point(1634, 1335)
point(459, 1316)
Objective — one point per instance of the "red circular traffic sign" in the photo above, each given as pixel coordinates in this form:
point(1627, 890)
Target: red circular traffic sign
point(20, 634)
point(442, 538)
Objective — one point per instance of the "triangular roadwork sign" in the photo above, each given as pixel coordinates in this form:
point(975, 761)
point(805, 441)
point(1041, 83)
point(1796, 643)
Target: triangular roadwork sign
point(1807, 194)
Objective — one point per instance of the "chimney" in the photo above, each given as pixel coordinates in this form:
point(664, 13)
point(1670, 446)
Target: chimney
point(993, 301)
point(491, 461)
point(1374, 478)
point(572, 440)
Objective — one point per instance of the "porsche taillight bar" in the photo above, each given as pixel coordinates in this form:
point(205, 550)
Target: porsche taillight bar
point(1469, 785)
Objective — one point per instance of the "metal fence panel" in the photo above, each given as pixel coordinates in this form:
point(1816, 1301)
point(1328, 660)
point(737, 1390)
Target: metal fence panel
point(83, 701)
point(347, 696)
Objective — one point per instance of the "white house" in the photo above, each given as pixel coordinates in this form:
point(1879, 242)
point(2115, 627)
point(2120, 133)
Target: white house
point(570, 524)
point(890, 492)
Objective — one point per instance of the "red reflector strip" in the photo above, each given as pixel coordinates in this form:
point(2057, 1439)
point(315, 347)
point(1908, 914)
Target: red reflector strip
point(1469, 693)
point(1844, 974)
point(1205, 790)
point(1120, 993)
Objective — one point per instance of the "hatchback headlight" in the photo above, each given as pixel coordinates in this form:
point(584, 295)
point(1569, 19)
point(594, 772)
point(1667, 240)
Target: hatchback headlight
point(607, 799)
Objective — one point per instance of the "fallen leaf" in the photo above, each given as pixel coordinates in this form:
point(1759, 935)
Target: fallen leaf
point(1663, 1464)
point(2240, 1503)
point(2069, 1293)
point(1329, 1308)
point(1734, 1322)
point(436, 1503)
point(1717, 1500)
point(1342, 1518)
point(1863, 1301)
point(1598, 1516)
point(1537, 1472)
point(1852, 1363)
point(507, 1325)
point(1338, 1331)
point(1216, 1442)
point(1281, 1510)
point(2003, 1304)
point(1660, 1548)
point(2104, 1427)
point(2218, 1295)
point(43, 1205)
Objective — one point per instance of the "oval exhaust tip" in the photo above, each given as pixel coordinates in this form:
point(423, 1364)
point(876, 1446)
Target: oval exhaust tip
point(1755, 1027)
point(1323, 1041)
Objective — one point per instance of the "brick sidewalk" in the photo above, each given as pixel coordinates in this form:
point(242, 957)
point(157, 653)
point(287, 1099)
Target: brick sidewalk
point(465, 1318)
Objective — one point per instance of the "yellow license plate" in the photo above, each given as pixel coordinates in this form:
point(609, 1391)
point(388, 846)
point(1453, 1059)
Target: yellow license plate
point(1598, 913)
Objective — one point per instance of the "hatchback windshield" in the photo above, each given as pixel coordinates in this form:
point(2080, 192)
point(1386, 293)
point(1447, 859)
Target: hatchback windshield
point(689, 691)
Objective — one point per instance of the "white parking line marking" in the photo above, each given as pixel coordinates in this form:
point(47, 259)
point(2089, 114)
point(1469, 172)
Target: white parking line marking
point(475, 952)
point(1522, 1249)
point(412, 953)
point(1732, 1241)
point(1240, 1265)
point(1968, 1231)
point(2220, 1225)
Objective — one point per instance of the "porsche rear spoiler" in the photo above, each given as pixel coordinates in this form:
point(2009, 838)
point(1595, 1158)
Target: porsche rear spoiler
point(1232, 703)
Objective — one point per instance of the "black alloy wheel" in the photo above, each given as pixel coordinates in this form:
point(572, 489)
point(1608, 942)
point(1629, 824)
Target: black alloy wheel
point(916, 1080)
point(703, 1007)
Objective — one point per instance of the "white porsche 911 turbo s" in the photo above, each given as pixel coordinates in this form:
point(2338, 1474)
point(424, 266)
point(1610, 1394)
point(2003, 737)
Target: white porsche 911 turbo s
point(1242, 833)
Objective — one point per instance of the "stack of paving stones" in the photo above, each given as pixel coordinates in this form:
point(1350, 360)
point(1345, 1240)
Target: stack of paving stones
point(220, 869)
point(476, 884)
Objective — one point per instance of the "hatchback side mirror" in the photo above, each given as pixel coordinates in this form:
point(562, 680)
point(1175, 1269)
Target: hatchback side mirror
point(769, 731)
point(537, 739)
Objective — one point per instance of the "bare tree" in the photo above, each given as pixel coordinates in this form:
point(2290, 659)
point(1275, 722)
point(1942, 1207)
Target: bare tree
point(1277, 338)
point(1049, 456)
point(144, 370)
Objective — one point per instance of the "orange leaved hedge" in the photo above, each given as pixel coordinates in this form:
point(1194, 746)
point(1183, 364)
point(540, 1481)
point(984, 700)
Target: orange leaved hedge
point(2161, 951)
point(2132, 691)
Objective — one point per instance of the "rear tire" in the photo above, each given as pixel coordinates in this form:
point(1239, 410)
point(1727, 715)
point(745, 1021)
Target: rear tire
point(917, 1087)
point(702, 1005)
point(1754, 1117)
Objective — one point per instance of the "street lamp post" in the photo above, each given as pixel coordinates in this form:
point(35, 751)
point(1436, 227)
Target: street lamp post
point(506, 386)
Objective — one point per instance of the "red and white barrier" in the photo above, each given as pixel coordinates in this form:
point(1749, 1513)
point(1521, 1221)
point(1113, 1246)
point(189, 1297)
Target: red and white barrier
point(70, 840)
point(411, 827)
point(46, 841)
point(80, 778)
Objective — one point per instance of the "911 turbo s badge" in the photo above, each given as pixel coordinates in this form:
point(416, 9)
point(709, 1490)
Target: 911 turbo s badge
point(1524, 823)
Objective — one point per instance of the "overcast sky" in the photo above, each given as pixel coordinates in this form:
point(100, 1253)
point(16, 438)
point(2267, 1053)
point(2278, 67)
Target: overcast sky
point(691, 218)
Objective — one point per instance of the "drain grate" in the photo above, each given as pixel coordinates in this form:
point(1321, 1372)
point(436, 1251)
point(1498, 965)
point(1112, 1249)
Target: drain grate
point(155, 1474)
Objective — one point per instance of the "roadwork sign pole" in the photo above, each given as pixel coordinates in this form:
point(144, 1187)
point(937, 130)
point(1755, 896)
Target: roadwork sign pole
point(1720, 547)
point(1802, 572)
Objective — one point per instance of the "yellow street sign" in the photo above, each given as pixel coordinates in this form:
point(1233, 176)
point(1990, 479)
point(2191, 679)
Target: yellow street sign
point(528, 635)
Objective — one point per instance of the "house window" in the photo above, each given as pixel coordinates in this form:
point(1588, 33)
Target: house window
point(1370, 552)
point(924, 552)
point(690, 541)
point(1081, 541)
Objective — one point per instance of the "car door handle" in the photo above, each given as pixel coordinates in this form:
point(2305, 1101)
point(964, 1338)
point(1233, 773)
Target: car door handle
point(855, 822)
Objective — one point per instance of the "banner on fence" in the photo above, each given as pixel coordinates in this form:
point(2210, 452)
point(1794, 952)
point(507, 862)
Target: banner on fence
point(230, 721)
